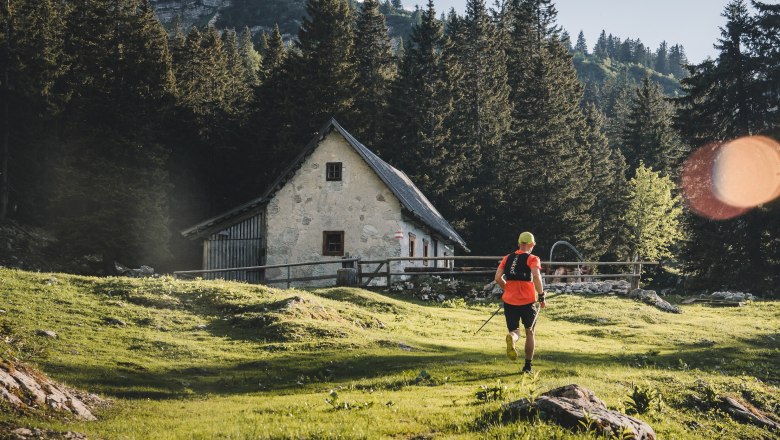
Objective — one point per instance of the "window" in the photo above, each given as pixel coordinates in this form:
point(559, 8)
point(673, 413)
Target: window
point(333, 171)
point(412, 242)
point(425, 251)
point(333, 243)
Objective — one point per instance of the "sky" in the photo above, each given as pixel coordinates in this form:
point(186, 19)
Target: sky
point(692, 23)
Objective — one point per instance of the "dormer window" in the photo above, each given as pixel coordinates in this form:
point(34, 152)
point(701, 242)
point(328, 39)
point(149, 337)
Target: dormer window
point(333, 171)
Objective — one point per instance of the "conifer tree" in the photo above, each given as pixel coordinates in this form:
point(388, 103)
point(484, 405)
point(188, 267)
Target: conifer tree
point(608, 182)
point(32, 63)
point(421, 108)
point(600, 49)
point(677, 61)
point(725, 99)
point(321, 70)
point(648, 135)
point(375, 67)
point(250, 57)
point(546, 165)
point(662, 59)
point(566, 41)
point(274, 53)
point(238, 92)
point(481, 122)
point(122, 82)
point(582, 45)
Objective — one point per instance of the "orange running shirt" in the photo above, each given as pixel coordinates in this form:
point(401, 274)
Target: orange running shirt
point(520, 293)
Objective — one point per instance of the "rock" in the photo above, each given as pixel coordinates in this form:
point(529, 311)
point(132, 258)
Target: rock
point(114, 321)
point(25, 389)
point(408, 286)
point(440, 297)
point(492, 289)
point(2, 311)
point(202, 326)
point(652, 298)
point(41, 434)
point(47, 334)
point(571, 404)
point(425, 297)
point(426, 289)
point(404, 347)
point(748, 413)
point(732, 296)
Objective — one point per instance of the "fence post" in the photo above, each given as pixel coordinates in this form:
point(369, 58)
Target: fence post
point(288, 277)
point(635, 277)
point(359, 272)
point(388, 275)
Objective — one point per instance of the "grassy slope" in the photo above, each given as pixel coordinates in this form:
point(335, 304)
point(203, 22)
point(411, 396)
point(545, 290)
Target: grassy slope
point(263, 366)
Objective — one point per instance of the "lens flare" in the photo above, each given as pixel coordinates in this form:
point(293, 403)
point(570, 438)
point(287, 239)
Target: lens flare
point(746, 172)
point(697, 188)
point(722, 181)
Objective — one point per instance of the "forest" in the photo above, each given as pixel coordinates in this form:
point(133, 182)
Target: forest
point(117, 132)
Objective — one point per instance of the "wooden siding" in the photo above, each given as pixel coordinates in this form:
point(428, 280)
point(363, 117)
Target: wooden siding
point(240, 245)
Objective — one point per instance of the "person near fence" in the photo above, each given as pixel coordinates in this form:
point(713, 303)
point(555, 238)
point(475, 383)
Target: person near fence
point(520, 277)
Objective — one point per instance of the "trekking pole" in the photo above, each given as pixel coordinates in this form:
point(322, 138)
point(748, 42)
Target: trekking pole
point(491, 317)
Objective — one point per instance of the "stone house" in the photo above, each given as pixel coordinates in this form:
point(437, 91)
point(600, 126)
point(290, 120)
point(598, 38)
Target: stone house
point(336, 199)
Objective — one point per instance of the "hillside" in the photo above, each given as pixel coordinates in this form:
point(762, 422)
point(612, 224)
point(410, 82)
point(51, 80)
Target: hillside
point(261, 16)
point(215, 359)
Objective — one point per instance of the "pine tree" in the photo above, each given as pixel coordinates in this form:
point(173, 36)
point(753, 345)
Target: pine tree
point(608, 183)
point(677, 61)
point(250, 57)
point(238, 93)
point(582, 45)
point(640, 53)
point(600, 49)
point(421, 109)
point(32, 64)
point(481, 123)
point(648, 135)
point(566, 41)
point(122, 82)
point(321, 75)
point(662, 59)
point(274, 53)
point(375, 70)
point(546, 165)
point(725, 100)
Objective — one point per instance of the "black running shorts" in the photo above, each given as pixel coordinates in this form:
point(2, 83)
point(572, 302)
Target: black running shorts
point(515, 314)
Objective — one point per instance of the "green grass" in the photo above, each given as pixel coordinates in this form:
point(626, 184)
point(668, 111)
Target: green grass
point(209, 359)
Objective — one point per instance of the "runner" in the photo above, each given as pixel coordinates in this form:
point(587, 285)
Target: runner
point(519, 275)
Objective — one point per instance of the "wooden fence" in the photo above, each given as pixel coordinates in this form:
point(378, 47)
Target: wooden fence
point(383, 269)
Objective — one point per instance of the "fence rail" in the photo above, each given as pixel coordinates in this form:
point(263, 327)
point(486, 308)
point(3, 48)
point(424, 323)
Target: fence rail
point(384, 269)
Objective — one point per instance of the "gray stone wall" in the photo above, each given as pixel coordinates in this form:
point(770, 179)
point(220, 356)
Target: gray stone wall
point(361, 205)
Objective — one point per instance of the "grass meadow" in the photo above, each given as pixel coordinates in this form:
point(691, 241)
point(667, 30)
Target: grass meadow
point(212, 359)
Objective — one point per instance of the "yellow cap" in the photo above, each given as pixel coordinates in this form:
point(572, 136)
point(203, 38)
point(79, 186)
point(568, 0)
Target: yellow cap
point(526, 238)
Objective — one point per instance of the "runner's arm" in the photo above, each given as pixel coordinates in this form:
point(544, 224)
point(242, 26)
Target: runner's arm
point(536, 276)
point(499, 278)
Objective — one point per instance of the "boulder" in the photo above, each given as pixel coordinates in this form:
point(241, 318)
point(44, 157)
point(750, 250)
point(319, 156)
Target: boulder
point(47, 334)
point(23, 389)
point(652, 298)
point(572, 405)
point(732, 296)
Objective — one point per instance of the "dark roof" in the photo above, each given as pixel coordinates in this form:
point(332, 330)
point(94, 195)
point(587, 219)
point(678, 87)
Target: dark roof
point(412, 200)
